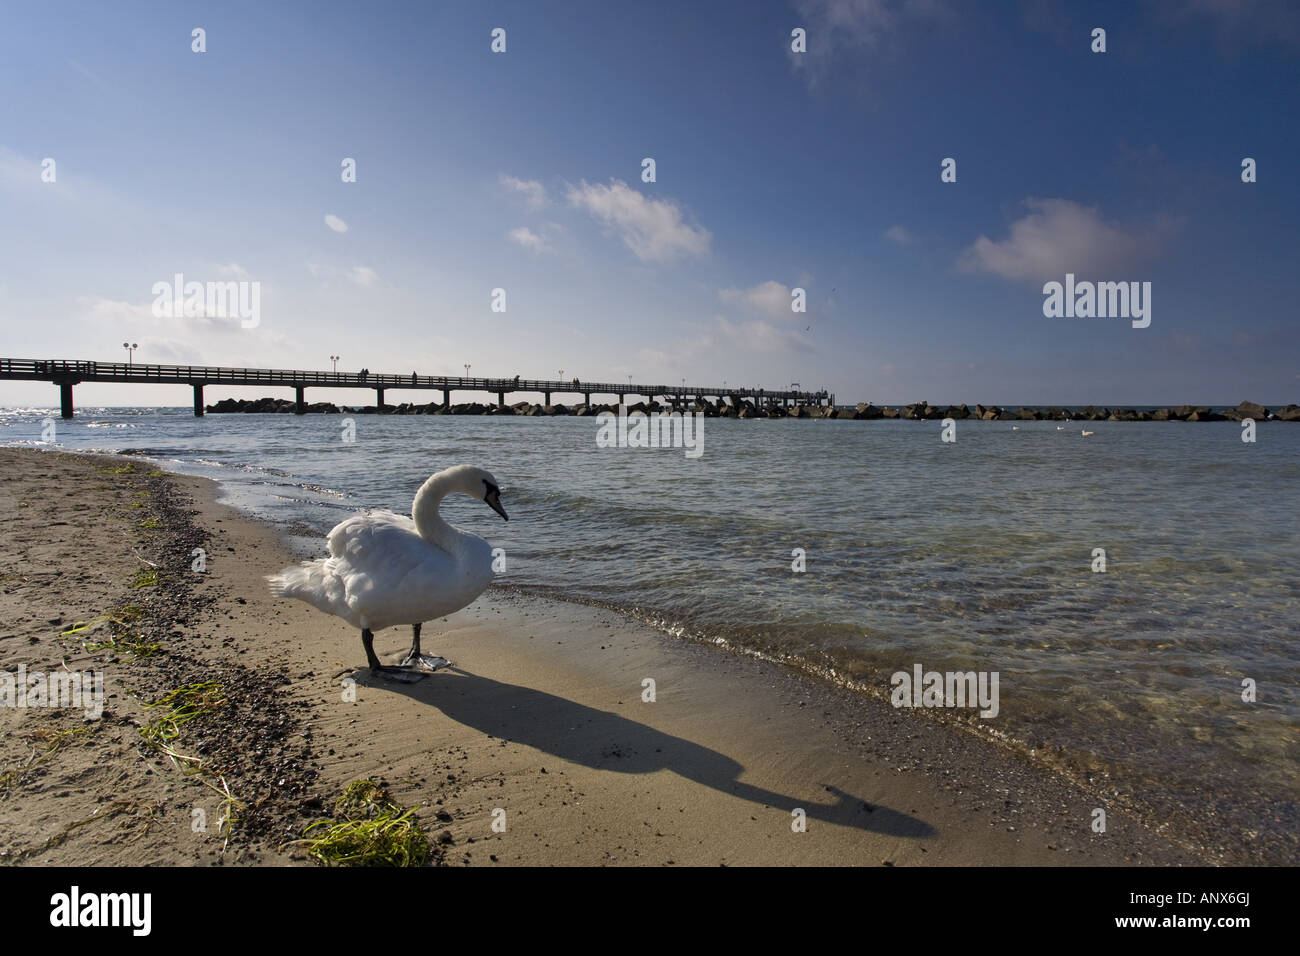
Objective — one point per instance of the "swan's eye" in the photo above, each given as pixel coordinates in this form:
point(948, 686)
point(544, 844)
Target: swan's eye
point(492, 490)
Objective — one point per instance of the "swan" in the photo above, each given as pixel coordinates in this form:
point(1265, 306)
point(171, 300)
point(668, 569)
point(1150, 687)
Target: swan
point(385, 569)
point(1060, 428)
point(1086, 433)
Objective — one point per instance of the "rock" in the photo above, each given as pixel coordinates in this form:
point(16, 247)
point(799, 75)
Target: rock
point(1251, 410)
point(1290, 413)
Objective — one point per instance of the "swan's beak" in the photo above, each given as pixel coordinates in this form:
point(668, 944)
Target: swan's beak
point(493, 498)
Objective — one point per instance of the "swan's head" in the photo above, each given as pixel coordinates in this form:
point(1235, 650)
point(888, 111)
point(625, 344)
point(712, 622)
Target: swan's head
point(479, 483)
point(492, 495)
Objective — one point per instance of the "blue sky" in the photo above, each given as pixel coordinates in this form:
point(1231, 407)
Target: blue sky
point(522, 170)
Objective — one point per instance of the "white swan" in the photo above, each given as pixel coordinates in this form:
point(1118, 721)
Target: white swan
point(1086, 433)
point(385, 569)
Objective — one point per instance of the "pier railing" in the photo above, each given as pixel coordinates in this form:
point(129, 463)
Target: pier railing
point(68, 372)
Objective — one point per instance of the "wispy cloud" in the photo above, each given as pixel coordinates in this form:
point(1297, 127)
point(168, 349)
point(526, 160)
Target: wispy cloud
point(1236, 23)
point(534, 193)
point(839, 27)
point(234, 270)
point(762, 336)
point(197, 338)
point(335, 223)
point(528, 239)
point(771, 298)
point(87, 73)
point(654, 229)
point(362, 275)
point(900, 235)
point(1059, 236)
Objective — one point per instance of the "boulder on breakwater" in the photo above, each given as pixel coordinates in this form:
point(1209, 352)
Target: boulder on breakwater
point(746, 409)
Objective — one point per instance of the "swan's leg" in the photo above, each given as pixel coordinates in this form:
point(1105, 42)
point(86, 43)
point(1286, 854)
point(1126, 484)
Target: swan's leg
point(413, 655)
point(387, 673)
point(368, 640)
point(415, 660)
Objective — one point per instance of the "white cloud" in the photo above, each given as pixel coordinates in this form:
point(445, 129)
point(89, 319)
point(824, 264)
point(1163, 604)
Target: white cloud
point(93, 77)
point(234, 269)
point(654, 229)
point(178, 338)
point(335, 223)
point(762, 336)
point(1059, 236)
point(835, 26)
point(900, 235)
point(534, 193)
point(361, 275)
point(771, 298)
point(528, 239)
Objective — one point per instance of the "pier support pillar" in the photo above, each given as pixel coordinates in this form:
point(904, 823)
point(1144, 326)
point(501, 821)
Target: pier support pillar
point(446, 398)
point(620, 398)
point(300, 403)
point(65, 399)
point(198, 401)
point(586, 398)
point(379, 399)
point(501, 398)
point(548, 398)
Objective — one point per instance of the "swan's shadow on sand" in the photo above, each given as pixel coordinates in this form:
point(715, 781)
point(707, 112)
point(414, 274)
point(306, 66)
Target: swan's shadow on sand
point(606, 741)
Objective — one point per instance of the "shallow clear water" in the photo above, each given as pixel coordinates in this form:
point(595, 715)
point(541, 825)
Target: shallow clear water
point(967, 556)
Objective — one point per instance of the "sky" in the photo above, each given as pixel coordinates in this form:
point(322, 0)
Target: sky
point(774, 170)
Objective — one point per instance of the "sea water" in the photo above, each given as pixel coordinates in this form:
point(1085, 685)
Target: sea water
point(976, 555)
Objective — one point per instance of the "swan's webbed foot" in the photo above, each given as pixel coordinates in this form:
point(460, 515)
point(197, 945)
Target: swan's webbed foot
point(424, 663)
point(402, 675)
point(415, 660)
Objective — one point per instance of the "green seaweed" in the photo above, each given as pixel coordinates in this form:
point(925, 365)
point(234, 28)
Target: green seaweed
point(369, 829)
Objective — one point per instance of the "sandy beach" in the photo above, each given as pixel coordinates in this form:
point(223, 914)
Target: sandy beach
point(542, 717)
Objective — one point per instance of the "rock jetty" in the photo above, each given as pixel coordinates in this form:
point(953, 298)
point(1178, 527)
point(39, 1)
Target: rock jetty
point(917, 411)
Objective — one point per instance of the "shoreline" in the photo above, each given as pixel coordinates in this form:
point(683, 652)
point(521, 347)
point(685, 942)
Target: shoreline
point(542, 717)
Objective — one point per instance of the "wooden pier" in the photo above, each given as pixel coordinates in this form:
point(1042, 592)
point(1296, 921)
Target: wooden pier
point(65, 373)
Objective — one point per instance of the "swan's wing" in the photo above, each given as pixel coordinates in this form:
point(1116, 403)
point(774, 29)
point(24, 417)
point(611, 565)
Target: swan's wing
point(366, 530)
point(390, 575)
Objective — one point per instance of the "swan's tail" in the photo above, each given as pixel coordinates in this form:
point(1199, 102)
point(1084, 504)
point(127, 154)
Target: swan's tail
point(306, 582)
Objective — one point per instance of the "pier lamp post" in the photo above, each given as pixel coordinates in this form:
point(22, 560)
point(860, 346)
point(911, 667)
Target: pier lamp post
point(335, 360)
point(467, 371)
point(130, 350)
point(561, 375)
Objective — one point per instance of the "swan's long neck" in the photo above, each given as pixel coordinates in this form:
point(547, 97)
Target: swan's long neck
point(424, 512)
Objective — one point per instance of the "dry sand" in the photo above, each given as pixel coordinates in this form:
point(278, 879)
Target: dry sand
point(542, 717)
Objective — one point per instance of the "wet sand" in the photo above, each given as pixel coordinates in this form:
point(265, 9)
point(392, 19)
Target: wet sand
point(543, 717)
